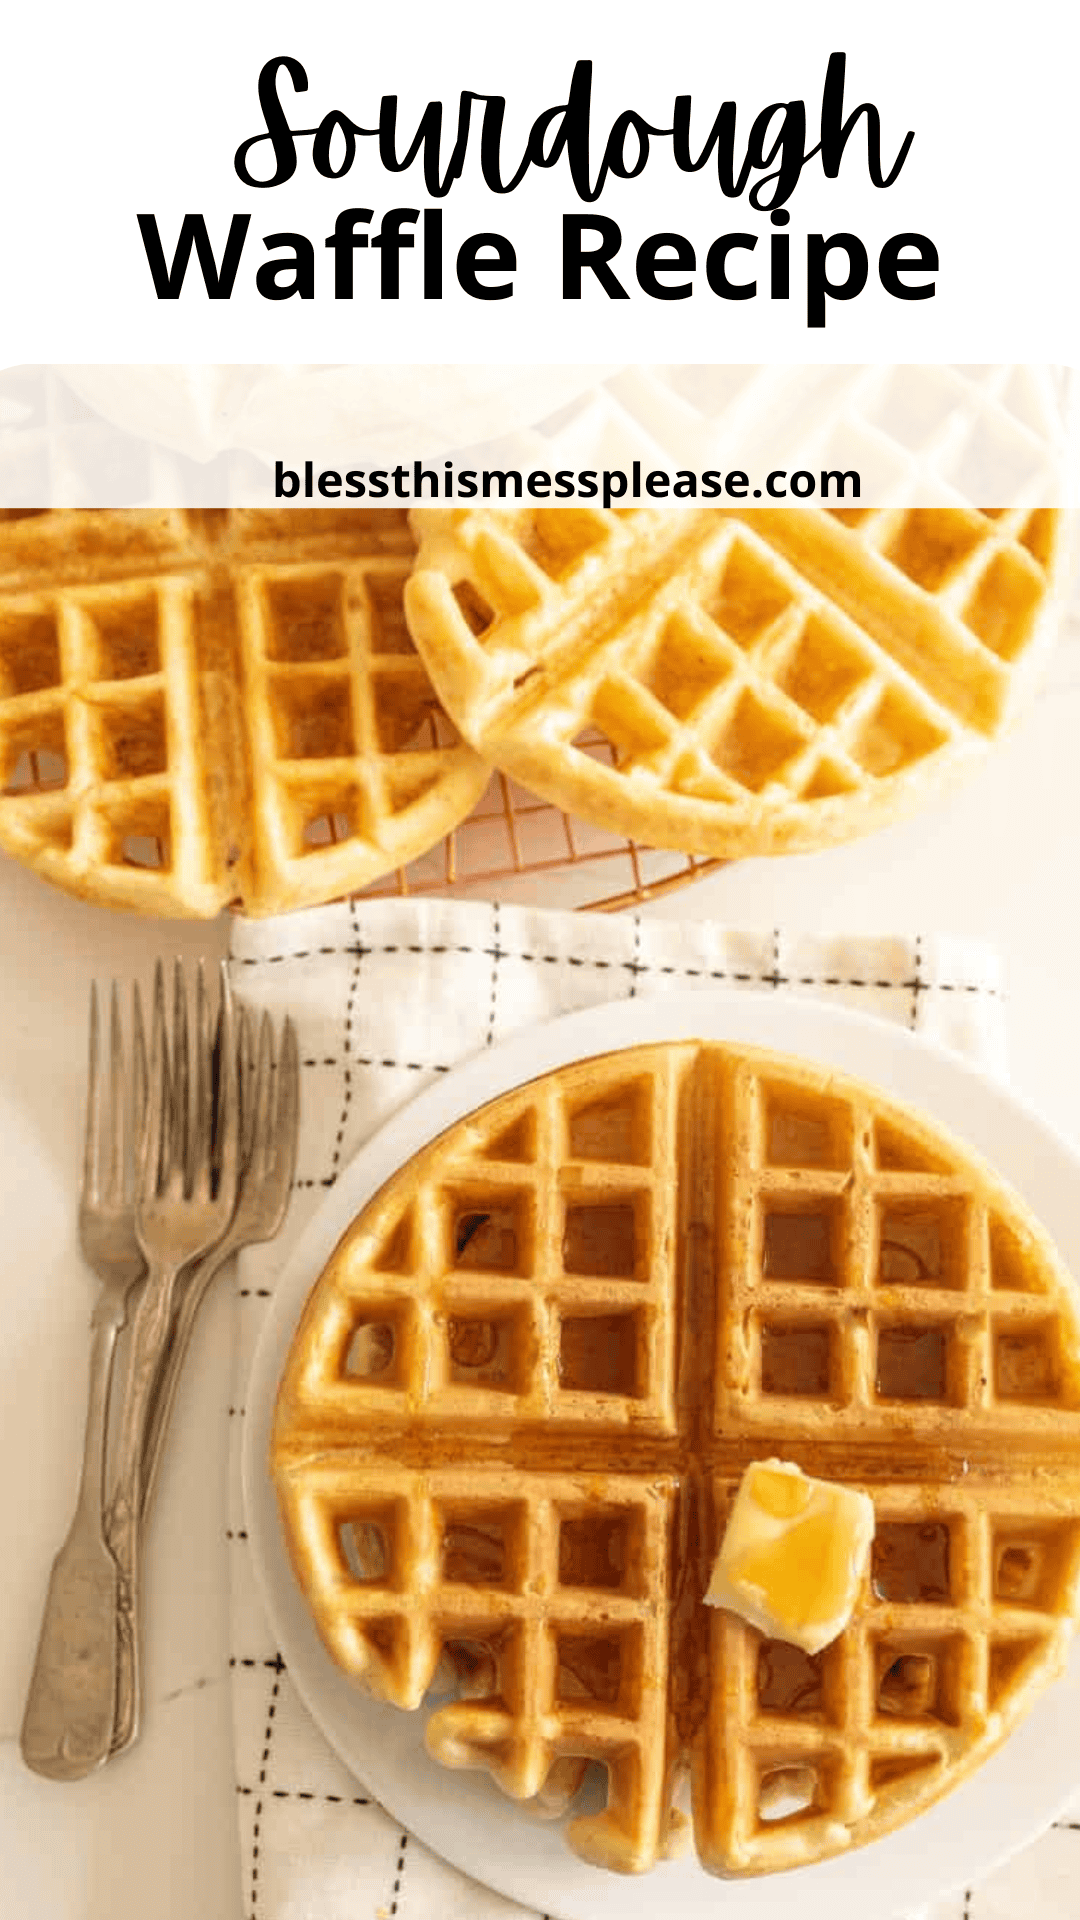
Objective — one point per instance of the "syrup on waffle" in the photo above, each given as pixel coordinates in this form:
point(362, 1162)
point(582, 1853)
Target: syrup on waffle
point(733, 683)
point(524, 1390)
point(217, 707)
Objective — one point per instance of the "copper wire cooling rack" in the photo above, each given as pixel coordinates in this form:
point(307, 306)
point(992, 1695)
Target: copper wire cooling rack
point(512, 841)
point(512, 837)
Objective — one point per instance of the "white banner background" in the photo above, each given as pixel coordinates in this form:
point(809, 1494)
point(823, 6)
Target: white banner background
point(112, 111)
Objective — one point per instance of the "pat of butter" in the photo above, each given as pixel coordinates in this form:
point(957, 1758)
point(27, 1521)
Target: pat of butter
point(794, 1554)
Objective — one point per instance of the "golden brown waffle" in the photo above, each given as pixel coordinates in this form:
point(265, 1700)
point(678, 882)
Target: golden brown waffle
point(728, 683)
point(207, 708)
point(523, 1392)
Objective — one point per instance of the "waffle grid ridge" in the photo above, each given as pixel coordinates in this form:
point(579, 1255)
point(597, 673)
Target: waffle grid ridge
point(398, 1441)
point(758, 678)
point(157, 669)
point(902, 1273)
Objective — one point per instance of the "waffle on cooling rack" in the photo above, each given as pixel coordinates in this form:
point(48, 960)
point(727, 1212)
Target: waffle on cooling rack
point(523, 1392)
point(217, 707)
point(766, 681)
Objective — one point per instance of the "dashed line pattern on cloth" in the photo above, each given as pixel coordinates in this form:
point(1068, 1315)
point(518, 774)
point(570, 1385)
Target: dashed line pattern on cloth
point(634, 965)
point(914, 983)
point(268, 1739)
point(496, 956)
point(917, 983)
point(300, 1793)
point(347, 1063)
point(400, 1874)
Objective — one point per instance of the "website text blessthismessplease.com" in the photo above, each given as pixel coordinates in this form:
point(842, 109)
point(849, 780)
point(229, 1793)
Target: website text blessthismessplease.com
point(608, 485)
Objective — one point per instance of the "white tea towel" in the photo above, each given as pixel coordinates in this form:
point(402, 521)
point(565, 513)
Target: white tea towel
point(387, 996)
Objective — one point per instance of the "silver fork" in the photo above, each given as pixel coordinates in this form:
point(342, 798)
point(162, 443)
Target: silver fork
point(69, 1710)
point(269, 1114)
point(188, 1194)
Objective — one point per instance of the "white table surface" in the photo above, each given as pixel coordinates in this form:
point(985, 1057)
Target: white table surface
point(152, 1837)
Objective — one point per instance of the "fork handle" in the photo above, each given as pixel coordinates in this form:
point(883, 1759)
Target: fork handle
point(150, 1332)
point(126, 1526)
point(189, 1296)
point(68, 1723)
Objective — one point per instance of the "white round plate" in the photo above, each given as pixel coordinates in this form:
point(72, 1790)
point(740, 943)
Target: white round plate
point(463, 1816)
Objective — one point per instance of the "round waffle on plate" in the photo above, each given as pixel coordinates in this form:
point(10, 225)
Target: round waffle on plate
point(217, 707)
point(734, 683)
point(524, 1390)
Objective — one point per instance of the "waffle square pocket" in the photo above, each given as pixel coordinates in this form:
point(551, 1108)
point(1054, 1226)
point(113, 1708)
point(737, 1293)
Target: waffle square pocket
point(524, 1392)
point(735, 682)
point(217, 707)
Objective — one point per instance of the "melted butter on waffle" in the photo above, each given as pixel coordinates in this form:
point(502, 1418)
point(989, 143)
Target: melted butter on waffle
point(793, 1555)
